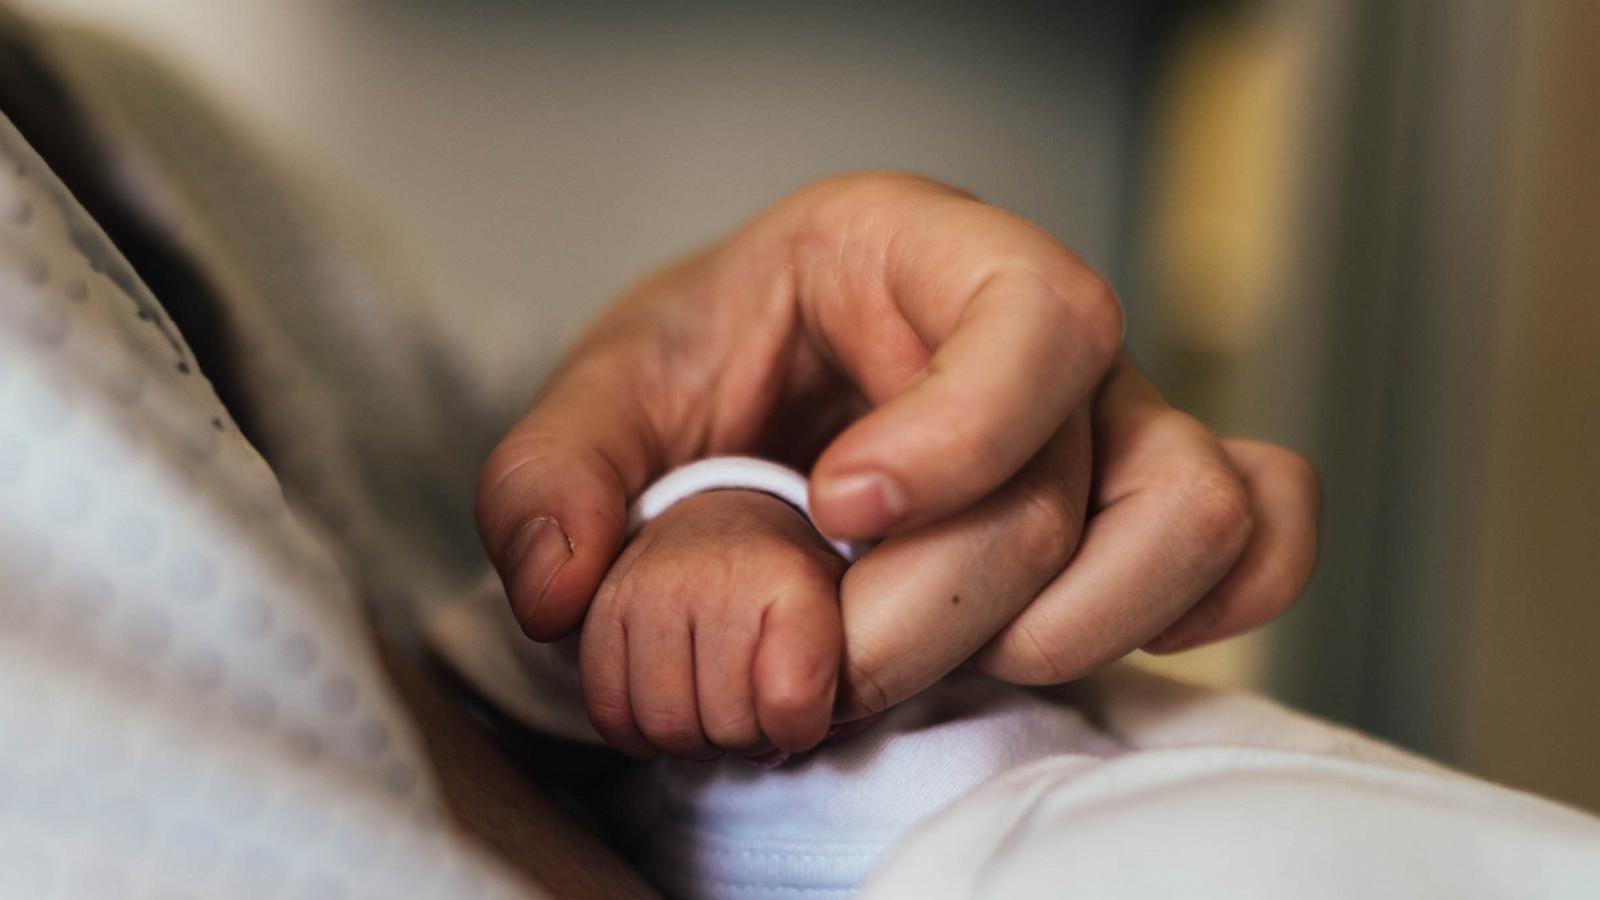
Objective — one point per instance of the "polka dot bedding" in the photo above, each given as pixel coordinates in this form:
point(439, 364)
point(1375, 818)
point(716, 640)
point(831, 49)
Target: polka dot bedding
point(189, 702)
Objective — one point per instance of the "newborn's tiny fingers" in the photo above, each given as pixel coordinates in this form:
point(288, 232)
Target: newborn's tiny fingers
point(723, 655)
point(797, 668)
point(603, 674)
point(661, 683)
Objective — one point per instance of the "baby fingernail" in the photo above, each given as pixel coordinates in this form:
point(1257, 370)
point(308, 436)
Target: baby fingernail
point(537, 552)
point(869, 502)
point(768, 759)
point(845, 730)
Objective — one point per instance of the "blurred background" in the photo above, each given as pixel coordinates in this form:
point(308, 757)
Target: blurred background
point(1366, 229)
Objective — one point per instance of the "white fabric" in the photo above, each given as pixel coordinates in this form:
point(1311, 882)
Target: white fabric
point(1128, 786)
point(1227, 795)
point(189, 702)
point(818, 824)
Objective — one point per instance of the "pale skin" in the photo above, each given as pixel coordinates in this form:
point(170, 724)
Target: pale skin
point(950, 377)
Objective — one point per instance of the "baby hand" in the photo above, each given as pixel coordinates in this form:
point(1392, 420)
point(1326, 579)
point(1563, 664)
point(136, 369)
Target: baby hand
point(717, 629)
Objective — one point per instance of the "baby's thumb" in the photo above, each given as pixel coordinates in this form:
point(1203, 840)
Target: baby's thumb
point(552, 498)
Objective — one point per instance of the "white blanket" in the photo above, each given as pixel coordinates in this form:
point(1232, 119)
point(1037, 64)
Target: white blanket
point(1127, 785)
point(189, 705)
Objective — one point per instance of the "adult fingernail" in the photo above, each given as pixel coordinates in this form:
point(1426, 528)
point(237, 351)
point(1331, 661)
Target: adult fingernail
point(537, 552)
point(1180, 635)
point(865, 503)
point(1170, 641)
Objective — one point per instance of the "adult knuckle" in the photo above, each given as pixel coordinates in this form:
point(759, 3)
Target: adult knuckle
point(984, 452)
point(1043, 662)
point(1024, 656)
point(870, 184)
point(1098, 313)
point(864, 685)
point(879, 183)
point(1303, 475)
point(838, 205)
point(501, 465)
point(1048, 523)
point(1261, 602)
point(500, 461)
point(1108, 320)
point(1217, 510)
point(1283, 585)
point(1182, 436)
point(866, 208)
point(1279, 594)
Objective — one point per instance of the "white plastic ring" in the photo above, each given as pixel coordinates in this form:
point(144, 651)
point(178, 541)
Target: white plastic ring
point(729, 473)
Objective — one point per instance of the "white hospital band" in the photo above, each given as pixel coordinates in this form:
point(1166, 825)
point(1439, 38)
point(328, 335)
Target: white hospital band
point(721, 473)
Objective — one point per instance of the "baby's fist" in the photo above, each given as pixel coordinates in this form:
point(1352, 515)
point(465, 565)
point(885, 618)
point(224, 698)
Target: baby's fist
point(716, 630)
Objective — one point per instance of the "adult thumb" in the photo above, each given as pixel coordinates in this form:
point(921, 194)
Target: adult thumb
point(552, 498)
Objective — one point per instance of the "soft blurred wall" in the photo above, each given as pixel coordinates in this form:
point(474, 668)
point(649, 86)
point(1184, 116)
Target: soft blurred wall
point(1235, 215)
point(1534, 683)
point(534, 157)
point(1371, 232)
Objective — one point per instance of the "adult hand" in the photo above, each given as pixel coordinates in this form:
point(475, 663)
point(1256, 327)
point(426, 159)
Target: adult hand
point(934, 362)
point(1189, 539)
